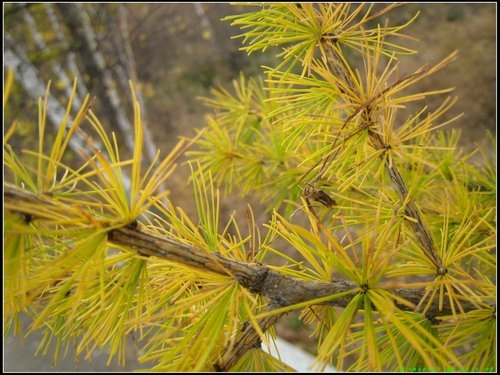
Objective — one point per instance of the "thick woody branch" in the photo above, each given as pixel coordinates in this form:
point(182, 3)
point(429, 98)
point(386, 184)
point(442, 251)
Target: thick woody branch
point(248, 339)
point(281, 290)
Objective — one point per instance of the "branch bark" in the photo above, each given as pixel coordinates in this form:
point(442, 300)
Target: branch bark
point(248, 339)
point(281, 290)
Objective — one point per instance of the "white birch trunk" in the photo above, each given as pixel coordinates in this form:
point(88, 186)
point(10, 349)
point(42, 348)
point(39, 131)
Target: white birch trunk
point(28, 76)
point(55, 65)
point(71, 56)
point(129, 63)
point(77, 13)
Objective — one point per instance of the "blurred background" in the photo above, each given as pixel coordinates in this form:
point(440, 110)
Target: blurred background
point(174, 54)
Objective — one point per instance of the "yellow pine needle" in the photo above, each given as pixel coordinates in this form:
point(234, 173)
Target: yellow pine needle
point(341, 327)
point(370, 342)
point(63, 136)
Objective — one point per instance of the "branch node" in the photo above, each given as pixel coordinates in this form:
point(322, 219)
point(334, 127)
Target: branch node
point(365, 288)
point(442, 271)
point(256, 283)
point(431, 318)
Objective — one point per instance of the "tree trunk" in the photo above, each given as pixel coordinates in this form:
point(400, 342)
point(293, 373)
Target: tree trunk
point(78, 22)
